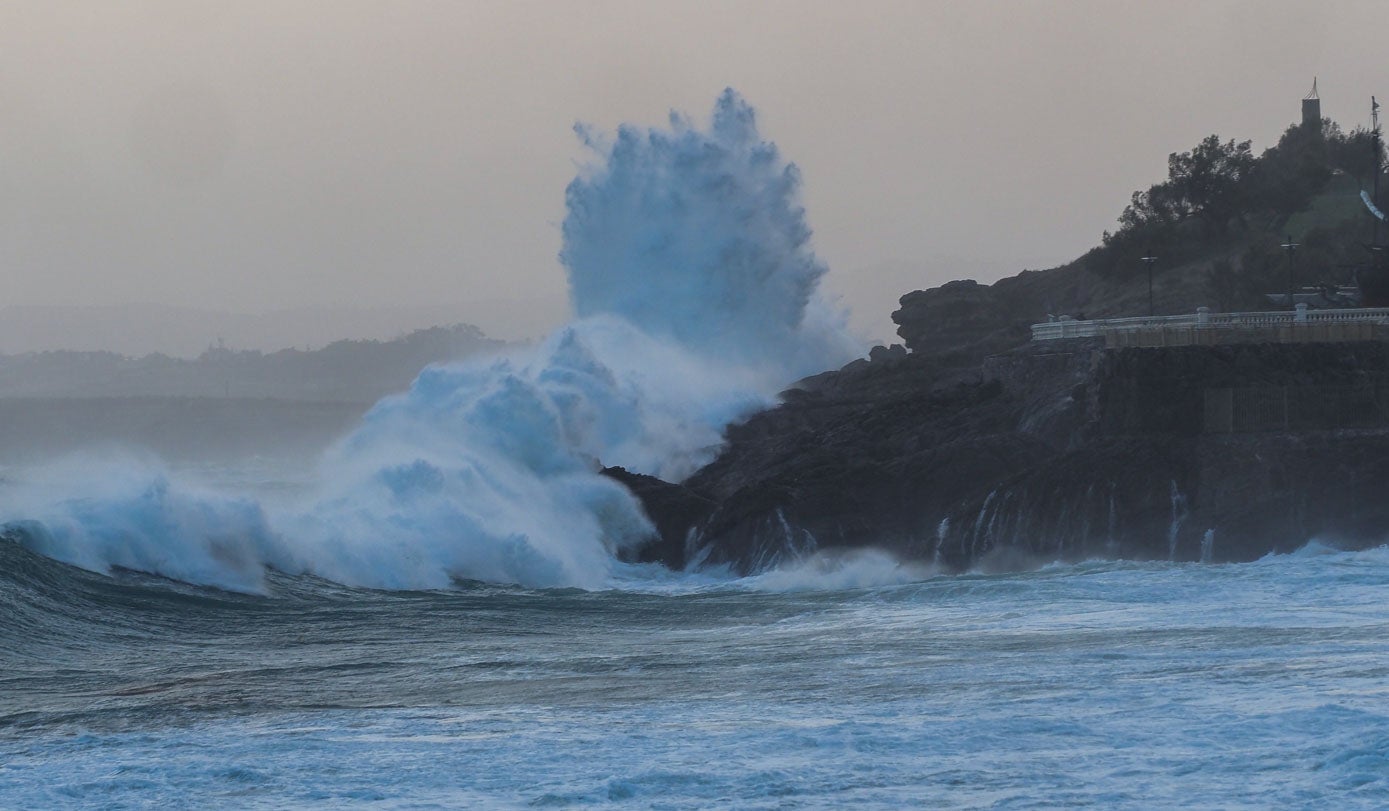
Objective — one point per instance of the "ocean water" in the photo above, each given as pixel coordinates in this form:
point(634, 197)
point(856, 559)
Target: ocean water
point(695, 295)
point(1102, 684)
point(435, 614)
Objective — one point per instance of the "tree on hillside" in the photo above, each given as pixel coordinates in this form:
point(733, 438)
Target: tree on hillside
point(1209, 179)
point(1296, 169)
point(1354, 153)
point(1221, 185)
point(1292, 171)
point(1205, 182)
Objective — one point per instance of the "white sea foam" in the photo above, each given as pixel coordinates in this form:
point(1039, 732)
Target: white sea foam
point(1118, 685)
point(857, 569)
point(117, 510)
point(695, 292)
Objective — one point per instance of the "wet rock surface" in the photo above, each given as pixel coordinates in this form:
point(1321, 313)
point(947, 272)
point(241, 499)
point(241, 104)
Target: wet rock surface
point(1056, 451)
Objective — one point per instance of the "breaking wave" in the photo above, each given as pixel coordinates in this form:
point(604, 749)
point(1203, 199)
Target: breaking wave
point(695, 294)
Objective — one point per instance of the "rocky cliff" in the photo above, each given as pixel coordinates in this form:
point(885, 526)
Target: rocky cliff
point(962, 322)
point(1063, 450)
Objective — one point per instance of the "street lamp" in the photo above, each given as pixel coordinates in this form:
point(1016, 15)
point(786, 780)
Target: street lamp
point(1149, 260)
point(1291, 247)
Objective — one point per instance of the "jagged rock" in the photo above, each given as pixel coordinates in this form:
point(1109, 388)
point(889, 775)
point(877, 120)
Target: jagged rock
point(887, 354)
point(961, 317)
point(674, 509)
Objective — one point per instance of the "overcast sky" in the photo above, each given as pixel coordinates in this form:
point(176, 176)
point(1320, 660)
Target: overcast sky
point(254, 156)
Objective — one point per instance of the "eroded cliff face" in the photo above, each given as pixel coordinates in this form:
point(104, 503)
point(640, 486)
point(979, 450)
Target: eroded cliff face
point(1062, 450)
point(961, 319)
point(961, 322)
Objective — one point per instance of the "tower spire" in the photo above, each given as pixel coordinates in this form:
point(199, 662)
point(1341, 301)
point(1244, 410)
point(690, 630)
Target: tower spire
point(1311, 109)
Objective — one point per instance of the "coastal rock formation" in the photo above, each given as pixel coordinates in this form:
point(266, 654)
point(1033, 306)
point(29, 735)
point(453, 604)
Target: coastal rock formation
point(1056, 450)
point(960, 317)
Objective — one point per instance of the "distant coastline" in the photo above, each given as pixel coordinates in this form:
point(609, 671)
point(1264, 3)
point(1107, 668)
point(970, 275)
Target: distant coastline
point(223, 404)
point(137, 329)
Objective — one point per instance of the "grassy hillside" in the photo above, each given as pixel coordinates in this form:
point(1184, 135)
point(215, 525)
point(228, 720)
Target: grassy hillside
point(1339, 202)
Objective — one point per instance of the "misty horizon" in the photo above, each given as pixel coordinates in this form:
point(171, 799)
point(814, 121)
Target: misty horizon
point(138, 329)
point(256, 158)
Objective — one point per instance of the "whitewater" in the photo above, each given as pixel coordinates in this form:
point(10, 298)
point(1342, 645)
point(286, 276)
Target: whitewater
point(439, 616)
point(1097, 685)
point(695, 295)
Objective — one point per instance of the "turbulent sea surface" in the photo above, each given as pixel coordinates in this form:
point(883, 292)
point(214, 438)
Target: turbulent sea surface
point(1105, 685)
point(437, 617)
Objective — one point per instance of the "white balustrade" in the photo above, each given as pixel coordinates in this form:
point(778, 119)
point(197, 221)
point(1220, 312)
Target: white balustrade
point(1066, 327)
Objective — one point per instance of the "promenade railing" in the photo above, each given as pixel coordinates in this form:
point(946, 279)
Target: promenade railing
point(1204, 319)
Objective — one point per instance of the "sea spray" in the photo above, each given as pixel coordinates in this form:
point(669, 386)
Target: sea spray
point(489, 472)
point(128, 511)
point(698, 237)
point(694, 286)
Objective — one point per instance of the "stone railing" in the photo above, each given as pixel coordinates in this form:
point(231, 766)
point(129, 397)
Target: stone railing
point(1204, 320)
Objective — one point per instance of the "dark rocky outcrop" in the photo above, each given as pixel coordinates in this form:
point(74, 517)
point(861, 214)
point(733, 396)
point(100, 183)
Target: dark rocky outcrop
point(674, 509)
point(980, 445)
point(962, 322)
point(961, 318)
point(1051, 451)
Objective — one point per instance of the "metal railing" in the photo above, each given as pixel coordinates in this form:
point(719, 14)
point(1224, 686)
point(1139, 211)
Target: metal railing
point(1066, 327)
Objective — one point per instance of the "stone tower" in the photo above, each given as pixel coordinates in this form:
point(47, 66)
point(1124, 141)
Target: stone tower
point(1311, 108)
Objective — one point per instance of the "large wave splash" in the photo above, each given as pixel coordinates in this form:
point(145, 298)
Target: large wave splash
point(695, 291)
point(698, 237)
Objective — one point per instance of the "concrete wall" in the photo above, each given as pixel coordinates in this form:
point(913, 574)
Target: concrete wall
point(1297, 408)
point(1198, 390)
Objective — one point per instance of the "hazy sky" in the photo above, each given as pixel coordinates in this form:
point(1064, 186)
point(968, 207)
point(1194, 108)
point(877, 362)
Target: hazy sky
point(262, 155)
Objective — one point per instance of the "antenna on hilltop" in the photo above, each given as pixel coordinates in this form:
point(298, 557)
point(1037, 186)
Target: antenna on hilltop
point(1374, 278)
point(1379, 150)
point(1313, 95)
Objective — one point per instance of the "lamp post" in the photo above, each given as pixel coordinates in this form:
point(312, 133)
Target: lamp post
point(1291, 247)
point(1149, 260)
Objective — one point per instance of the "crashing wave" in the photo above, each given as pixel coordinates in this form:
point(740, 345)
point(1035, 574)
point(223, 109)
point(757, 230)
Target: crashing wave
point(695, 294)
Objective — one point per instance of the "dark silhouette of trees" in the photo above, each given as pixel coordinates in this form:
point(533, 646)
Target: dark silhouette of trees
point(1292, 171)
point(1219, 191)
point(1354, 153)
point(1206, 182)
